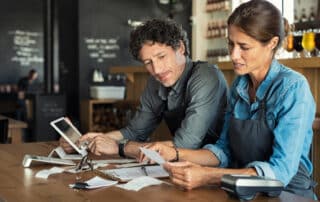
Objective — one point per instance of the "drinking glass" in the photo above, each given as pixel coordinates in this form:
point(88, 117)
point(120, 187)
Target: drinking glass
point(317, 42)
point(308, 42)
point(289, 43)
point(297, 44)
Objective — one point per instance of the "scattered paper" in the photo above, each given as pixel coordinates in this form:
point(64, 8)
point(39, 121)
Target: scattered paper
point(96, 182)
point(47, 172)
point(129, 165)
point(139, 183)
point(153, 155)
point(116, 161)
point(63, 155)
point(126, 174)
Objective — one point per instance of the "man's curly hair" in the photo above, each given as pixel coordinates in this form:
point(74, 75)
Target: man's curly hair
point(161, 31)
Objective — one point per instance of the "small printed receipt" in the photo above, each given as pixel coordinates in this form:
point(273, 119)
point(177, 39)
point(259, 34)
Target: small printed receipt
point(47, 172)
point(139, 183)
point(153, 155)
point(96, 182)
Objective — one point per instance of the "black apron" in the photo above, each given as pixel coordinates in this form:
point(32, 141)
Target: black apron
point(251, 140)
point(174, 117)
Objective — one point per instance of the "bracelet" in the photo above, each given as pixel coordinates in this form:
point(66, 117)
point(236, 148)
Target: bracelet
point(177, 154)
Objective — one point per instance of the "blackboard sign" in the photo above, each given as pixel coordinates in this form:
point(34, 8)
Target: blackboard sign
point(21, 41)
point(102, 49)
point(27, 47)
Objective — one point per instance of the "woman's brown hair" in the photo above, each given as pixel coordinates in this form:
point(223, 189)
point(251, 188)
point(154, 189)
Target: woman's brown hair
point(259, 19)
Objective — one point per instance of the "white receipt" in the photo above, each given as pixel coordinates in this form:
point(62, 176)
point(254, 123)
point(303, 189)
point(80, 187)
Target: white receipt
point(63, 155)
point(139, 183)
point(47, 172)
point(153, 155)
point(97, 182)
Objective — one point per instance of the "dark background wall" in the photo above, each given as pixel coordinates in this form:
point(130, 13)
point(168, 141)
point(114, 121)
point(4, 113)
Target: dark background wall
point(81, 28)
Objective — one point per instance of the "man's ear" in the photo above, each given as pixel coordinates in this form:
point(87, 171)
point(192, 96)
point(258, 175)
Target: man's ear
point(182, 48)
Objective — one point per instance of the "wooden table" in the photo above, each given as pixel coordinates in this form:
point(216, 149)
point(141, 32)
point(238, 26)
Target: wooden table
point(15, 129)
point(20, 184)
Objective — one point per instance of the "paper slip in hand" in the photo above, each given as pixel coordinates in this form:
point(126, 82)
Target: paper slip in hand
point(139, 183)
point(94, 183)
point(45, 173)
point(153, 155)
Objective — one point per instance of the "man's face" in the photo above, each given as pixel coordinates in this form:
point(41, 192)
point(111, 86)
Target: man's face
point(163, 62)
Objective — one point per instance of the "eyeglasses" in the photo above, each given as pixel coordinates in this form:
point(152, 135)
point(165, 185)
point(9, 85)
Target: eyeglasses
point(84, 164)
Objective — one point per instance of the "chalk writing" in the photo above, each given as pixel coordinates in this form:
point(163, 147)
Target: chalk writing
point(101, 49)
point(27, 47)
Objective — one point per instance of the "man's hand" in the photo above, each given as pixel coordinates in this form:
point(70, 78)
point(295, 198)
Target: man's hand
point(65, 145)
point(102, 144)
point(167, 152)
point(188, 175)
point(85, 138)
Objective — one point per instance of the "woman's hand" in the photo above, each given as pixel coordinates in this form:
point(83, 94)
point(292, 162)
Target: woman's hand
point(167, 152)
point(188, 175)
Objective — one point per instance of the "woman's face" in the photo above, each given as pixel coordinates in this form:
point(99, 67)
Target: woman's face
point(248, 55)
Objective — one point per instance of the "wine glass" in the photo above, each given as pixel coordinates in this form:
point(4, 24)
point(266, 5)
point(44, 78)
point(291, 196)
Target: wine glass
point(297, 43)
point(289, 43)
point(317, 41)
point(308, 42)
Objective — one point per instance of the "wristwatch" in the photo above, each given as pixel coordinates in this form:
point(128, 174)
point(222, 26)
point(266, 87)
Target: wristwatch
point(121, 144)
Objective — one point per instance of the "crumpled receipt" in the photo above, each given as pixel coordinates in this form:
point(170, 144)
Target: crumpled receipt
point(47, 172)
point(139, 183)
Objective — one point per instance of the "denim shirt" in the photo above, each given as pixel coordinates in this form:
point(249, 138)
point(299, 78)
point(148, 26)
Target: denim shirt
point(193, 107)
point(290, 112)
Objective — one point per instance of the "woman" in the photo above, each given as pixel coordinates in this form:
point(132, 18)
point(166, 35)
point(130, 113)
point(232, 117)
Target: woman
point(268, 124)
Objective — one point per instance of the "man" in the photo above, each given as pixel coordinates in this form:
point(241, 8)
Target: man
point(26, 85)
point(189, 96)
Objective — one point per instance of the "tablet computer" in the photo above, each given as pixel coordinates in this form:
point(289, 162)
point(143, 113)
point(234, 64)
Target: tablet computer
point(70, 133)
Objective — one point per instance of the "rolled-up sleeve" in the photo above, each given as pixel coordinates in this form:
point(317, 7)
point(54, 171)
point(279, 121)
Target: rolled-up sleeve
point(147, 116)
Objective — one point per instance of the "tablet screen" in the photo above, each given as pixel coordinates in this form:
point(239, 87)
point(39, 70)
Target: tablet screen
point(70, 133)
point(68, 130)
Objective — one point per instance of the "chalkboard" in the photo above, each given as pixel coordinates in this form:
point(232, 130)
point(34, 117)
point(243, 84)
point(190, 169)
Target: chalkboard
point(21, 41)
point(104, 33)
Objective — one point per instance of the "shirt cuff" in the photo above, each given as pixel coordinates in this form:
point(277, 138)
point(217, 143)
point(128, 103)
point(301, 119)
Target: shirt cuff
point(125, 133)
point(221, 156)
point(263, 169)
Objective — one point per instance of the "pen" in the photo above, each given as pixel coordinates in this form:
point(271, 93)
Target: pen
point(80, 185)
point(143, 168)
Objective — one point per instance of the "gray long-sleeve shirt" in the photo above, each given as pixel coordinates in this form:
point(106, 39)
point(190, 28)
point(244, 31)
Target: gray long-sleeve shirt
point(193, 108)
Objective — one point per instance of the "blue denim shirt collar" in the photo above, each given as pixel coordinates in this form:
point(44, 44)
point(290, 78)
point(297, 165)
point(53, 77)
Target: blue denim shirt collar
point(243, 85)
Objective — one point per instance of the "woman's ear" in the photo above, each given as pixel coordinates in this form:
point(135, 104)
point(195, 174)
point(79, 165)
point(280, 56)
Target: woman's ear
point(273, 43)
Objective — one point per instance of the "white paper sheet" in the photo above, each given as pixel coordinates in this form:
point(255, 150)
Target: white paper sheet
point(47, 172)
point(153, 155)
point(139, 183)
point(97, 182)
point(63, 155)
point(126, 174)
